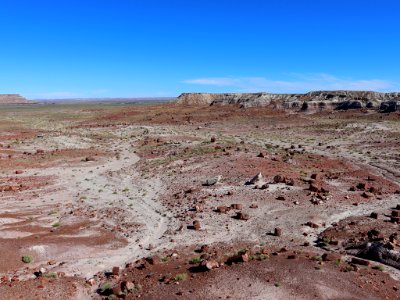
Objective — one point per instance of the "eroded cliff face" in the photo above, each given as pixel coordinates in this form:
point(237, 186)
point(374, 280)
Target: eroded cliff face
point(319, 100)
point(13, 99)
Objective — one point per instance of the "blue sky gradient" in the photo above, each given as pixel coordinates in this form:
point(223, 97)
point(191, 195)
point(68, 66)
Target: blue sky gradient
point(122, 48)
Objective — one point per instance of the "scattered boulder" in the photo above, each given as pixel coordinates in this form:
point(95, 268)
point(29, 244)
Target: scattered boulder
point(237, 206)
point(395, 213)
point(209, 264)
point(129, 286)
point(205, 248)
point(242, 216)
point(222, 209)
point(290, 182)
point(277, 231)
point(256, 179)
point(359, 261)
point(243, 256)
point(315, 187)
point(263, 186)
point(331, 257)
point(115, 271)
point(212, 181)
point(312, 225)
point(279, 179)
point(196, 225)
point(374, 215)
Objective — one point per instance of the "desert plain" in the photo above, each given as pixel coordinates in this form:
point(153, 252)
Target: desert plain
point(168, 201)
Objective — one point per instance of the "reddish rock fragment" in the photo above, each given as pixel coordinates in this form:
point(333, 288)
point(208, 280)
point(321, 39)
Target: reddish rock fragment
point(117, 291)
point(279, 179)
point(277, 231)
point(331, 257)
point(242, 216)
point(128, 286)
point(395, 213)
point(312, 225)
point(115, 270)
point(209, 264)
point(222, 209)
point(196, 225)
point(314, 176)
point(237, 206)
point(290, 182)
point(374, 215)
point(315, 187)
point(205, 248)
point(359, 261)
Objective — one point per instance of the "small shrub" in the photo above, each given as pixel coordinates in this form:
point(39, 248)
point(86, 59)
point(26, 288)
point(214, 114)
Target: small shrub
point(27, 259)
point(195, 260)
point(51, 275)
point(105, 287)
point(378, 267)
point(57, 224)
point(326, 241)
point(349, 268)
point(336, 262)
point(180, 277)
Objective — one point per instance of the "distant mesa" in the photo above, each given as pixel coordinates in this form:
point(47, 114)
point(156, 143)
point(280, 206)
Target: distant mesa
point(14, 99)
point(313, 101)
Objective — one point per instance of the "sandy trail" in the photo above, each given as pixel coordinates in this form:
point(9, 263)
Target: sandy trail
point(104, 184)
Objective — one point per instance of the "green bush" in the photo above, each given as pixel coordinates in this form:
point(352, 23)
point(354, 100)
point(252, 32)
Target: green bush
point(180, 277)
point(27, 259)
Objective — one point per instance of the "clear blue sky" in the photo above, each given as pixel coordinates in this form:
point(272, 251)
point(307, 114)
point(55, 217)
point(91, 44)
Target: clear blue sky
point(99, 48)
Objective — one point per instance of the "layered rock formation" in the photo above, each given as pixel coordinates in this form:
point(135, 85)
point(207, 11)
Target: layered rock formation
point(13, 99)
point(319, 100)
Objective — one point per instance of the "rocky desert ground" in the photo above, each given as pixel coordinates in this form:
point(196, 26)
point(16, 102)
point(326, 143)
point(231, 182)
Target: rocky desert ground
point(172, 201)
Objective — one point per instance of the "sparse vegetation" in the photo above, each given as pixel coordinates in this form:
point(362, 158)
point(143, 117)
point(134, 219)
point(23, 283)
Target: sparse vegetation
point(378, 267)
point(180, 277)
point(52, 275)
point(106, 287)
point(27, 259)
point(57, 224)
point(195, 260)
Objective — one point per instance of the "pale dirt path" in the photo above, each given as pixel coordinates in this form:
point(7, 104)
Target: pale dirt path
point(122, 187)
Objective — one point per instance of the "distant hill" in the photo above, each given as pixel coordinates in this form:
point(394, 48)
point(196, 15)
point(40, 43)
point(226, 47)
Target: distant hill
point(319, 100)
point(14, 99)
point(106, 100)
